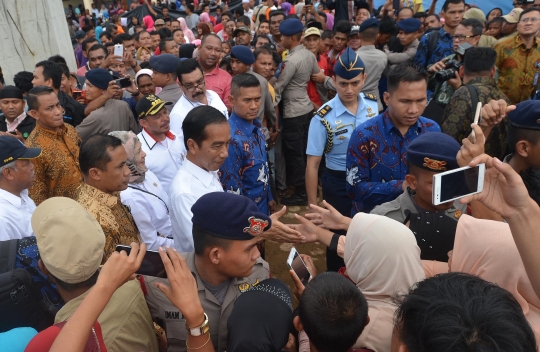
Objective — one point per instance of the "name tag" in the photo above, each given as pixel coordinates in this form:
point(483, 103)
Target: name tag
point(337, 133)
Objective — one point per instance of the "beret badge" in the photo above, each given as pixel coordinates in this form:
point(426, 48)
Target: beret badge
point(256, 226)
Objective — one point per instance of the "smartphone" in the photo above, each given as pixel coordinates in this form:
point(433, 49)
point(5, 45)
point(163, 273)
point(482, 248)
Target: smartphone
point(152, 265)
point(118, 50)
point(124, 82)
point(12, 132)
point(296, 263)
point(308, 2)
point(454, 184)
point(396, 5)
point(76, 94)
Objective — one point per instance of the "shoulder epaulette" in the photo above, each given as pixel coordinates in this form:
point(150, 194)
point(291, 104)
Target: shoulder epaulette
point(370, 96)
point(324, 110)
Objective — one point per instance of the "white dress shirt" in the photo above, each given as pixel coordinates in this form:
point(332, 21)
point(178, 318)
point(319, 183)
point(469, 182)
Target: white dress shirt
point(150, 211)
point(163, 158)
point(15, 215)
point(183, 106)
point(191, 183)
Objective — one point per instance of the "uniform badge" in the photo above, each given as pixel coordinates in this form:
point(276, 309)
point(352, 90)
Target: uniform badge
point(324, 110)
point(370, 112)
point(457, 214)
point(255, 283)
point(243, 287)
point(370, 96)
point(256, 226)
point(435, 165)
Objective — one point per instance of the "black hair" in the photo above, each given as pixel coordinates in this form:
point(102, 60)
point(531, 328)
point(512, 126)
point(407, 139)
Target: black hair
point(109, 44)
point(243, 80)
point(168, 19)
point(87, 29)
point(105, 34)
point(65, 70)
point(227, 13)
point(454, 2)
point(434, 14)
point(164, 33)
point(186, 67)
point(264, 21)
point(333, 312)
point(190, 7)
point(178, 30)
point(477, 26)
point(94, 152)
point(164, 7)
point(461, 312)
point(239, 11)
point(87, 41)
point(97, 47)
point(531, 179)
point(194, 125)
point(23, 81)
point(479, 60)
point(51, 71)
point(406, 72)
point(209, 35)
point(57, 59)
point(420, 15)
point(314, 24)
point(91, 281)
point(277, 13)
point(154, 33)
point(263, 36)
point(245, 20)
point(110, 28)
point(387, 26)
point(343, 26)
point(121, 38)
point(493, 9)
point(362, 5)
point(276, 57)
point(163, 42)
point(516, 134)
point(498, 20)
point(327, 34)
point(530, 9)
point(265, 50)
point(34, 93)
point(203, 240)
point(204, 5)
point(145, 64)
point(369, 34)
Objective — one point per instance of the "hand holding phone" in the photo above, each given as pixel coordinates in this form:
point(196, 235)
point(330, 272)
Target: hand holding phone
point(121, 266)
point(296, 263)
point(151, 265)
point(477, 118)
point(124, 82)
point(118, 50)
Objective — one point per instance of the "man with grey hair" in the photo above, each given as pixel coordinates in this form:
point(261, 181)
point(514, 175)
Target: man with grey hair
point(16, 175)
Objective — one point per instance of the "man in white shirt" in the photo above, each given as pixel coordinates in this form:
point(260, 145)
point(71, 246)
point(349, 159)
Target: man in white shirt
point(191, 80)
point(207, 135)
point(16, 175)
point(165, 149)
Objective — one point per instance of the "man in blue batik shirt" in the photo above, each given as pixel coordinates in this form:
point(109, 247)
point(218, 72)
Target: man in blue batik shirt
point(245, 171)
point(376, 158)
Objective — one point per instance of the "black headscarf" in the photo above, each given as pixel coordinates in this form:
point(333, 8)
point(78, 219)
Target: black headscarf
point(261, 318)
point(186, 50)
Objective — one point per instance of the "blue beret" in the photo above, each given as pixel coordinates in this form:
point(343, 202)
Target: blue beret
point(434, 151)
point(164, 63)
point(370, 22)
point(291, 26)
point(99, 77)
point(349, 65)
point(80, 34)
point(243, 54)
point(526, 115)
point(229, 216)
point(409, 25)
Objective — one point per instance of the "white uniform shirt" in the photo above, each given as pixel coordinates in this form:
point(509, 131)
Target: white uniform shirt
point(163, 158)
point(191, 183)
point(15, 215)
point(183, 106)
point(150, 211)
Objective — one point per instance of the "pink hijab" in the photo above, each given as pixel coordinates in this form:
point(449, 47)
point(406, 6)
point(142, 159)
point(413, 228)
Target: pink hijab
point(187, 32)
point(487, 249)
point(148, 23)
point(205, 17)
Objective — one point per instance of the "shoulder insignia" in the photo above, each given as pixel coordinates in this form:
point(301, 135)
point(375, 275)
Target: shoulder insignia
point(370, 96)
point(255, 283)
point(329, 137)
point(244, 287)
point(457, 214)
point(324, 110)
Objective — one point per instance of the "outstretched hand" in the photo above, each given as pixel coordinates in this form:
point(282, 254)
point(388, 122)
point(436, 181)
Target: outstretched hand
point(328, 218)
point(280, 232)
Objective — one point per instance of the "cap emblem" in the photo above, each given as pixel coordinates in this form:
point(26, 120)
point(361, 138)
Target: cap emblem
point(256, 226)
point(435, 165)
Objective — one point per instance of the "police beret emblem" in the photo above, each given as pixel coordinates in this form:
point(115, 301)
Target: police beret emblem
point(435, 165)
point(256, 226)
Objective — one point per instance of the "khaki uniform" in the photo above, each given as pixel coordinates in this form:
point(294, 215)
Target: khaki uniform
point(375, 62)
point(396, 208)
point(171, 93)
point(168, 316)
point(267, 105)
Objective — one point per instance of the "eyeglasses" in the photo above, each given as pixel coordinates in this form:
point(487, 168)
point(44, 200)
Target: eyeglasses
point(462, 37)
point(195, 86)
point(532, 20)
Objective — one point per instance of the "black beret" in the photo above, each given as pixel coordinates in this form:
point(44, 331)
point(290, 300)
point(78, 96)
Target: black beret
point(526, 115)
point(11, 92)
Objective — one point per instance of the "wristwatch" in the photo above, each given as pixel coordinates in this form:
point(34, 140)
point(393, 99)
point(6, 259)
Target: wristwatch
point(199, 330)
point(135, 94)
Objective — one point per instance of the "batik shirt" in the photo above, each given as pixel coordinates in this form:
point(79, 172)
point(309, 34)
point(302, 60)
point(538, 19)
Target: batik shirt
point(57, 171)
point(377, 160)
point(444, 47)
point(245, 170)
point(113, 216)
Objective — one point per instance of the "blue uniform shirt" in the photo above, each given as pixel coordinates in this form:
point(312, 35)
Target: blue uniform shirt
point(376, 160)
point(245, 170)
point(445, 47)
point(342, 123)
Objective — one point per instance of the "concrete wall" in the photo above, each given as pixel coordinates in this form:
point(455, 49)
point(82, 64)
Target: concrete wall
point(31, 31)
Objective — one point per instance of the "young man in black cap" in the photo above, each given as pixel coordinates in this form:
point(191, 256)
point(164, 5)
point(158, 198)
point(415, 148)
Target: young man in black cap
point(13, 119)
point(225, 263)
point(164, 67)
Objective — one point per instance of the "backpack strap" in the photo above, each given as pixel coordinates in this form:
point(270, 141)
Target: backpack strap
point(474, 96)
point(432, 44)
point(8, 254)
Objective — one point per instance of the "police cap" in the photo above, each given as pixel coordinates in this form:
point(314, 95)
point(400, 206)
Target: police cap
point(434, 151)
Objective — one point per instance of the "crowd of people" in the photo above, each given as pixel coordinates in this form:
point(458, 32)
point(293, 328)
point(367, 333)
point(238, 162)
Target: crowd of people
point(177, 143)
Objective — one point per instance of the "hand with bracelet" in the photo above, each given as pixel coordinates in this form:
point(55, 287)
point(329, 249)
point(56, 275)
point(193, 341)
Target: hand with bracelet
point(184, 294)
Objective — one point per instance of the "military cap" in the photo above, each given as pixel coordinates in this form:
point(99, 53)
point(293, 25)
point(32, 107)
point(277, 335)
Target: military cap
point(526, 115)
point(434, 151)
point(241, 29)
point(11, 92)
point(12, 149)
point(229, 216)
point(349, 65)
point(149, 105)
point(164, 63)
point(312, 31)
point(291, 26)
point(99, 77)
point(243, 54)
point(370, 22)
point(409, 25)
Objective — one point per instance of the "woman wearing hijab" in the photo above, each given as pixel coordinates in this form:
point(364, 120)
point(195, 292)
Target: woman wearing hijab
point(487, 249)
point(382, 259)
point(285, 6)
point(186, 51)
point(148, 203)
point(261, 318)
point(188, 34)
point(148, 23)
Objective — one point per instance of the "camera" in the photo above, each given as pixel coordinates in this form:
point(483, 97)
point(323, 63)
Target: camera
point(452, 66)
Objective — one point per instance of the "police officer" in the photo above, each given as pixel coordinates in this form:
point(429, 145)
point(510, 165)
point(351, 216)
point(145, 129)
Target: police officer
point(164, 67)
point(225, 264)
point(329, 134)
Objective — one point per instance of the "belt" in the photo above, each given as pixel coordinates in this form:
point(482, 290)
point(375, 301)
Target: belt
point(336, 172)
